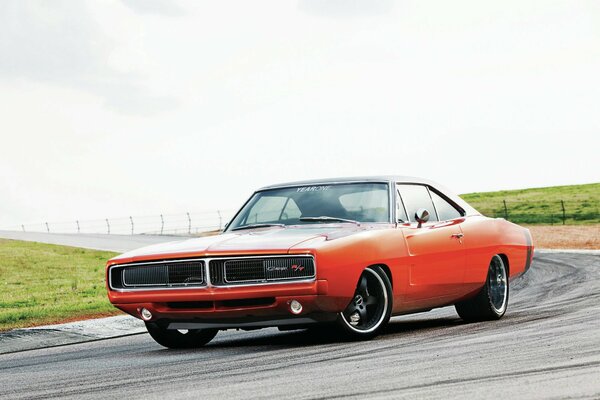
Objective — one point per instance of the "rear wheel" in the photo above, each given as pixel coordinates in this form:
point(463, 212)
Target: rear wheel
point(490, 303)
point(371, 306)
point(180, 339)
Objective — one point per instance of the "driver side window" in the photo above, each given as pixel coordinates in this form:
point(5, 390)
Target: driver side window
point(415, 197)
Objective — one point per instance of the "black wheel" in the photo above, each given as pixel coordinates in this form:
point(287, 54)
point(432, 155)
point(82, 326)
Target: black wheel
point(370, 308)
point(490, 303)
point(180, 339)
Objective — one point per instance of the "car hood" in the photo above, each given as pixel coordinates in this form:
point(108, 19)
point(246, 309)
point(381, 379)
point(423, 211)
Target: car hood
point(252, 241)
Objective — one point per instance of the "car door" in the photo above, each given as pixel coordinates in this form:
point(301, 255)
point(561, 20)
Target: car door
point(436, 253)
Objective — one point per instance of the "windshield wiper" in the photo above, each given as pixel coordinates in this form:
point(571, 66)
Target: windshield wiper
point(237, 228)
point(325, 218)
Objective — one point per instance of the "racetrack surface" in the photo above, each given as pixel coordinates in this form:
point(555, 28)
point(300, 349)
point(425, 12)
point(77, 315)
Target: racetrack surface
point(547, 346)
point(95, 241)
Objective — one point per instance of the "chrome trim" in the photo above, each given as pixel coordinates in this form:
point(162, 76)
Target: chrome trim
point(203, 283)
point(159, 285)
point(445, 197)
point(200, 286)
point(208, 284)
point(397, 196)
point(158, 262)
point(257, 282)
point(437, 216)
point(207, 272)
point(334, 181)
point(392, 202)
point(233, 285)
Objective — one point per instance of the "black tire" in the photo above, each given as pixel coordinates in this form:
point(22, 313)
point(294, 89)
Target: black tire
point(491, 302)
point(175, 339)
point(370, 308)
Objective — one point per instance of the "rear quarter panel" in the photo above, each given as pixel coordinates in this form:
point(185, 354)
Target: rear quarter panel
point(484, 237)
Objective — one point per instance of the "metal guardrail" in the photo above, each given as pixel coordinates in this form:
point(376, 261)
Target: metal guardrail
point(188, 223)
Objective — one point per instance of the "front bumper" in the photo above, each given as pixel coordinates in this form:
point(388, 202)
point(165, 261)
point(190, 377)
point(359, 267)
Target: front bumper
point(233, 307)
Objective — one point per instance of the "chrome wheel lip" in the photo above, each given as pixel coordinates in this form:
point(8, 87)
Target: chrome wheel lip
point(498, 285)
point(383, 314)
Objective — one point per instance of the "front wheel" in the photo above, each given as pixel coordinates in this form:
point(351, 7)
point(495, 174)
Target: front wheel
point(371, 306)
point(490, 303)
point(180, 339)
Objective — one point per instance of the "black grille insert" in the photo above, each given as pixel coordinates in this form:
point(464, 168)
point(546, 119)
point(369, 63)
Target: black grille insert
point(244, 271)
point(157, 275)
point(256, 270)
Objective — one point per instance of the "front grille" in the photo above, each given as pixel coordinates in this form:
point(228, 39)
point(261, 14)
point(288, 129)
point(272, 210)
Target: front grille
point(159, 275)
point(256, 270)
point(146, 276)
point(223, 272)
point(244, 271)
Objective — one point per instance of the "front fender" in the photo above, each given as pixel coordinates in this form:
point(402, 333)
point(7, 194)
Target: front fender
point(342, 261)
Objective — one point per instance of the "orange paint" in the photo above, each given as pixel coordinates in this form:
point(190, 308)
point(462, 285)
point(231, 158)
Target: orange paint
point(431, 266)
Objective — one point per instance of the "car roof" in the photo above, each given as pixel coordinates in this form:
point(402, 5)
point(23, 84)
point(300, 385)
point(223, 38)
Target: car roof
point(374, 178)
point(381, 178)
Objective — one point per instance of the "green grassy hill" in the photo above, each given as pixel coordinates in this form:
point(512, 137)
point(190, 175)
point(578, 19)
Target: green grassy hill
point(541, 205)
point(45, 283)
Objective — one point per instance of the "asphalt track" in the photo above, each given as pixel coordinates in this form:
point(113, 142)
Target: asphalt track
point(99, 241)
point(547, 346)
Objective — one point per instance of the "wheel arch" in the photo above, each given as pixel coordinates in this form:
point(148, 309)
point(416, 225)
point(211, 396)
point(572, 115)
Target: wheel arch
point(385, 269)
point(504, 258)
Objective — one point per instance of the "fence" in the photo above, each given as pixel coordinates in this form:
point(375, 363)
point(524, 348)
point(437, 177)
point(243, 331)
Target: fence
point(542, 212)
point(523, 212)
point(164, 224)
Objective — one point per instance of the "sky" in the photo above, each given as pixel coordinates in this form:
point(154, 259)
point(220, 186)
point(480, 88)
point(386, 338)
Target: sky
point(115, 108)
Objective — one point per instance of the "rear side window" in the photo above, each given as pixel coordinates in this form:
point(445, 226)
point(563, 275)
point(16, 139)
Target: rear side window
point(415, 197)
point(444, 209)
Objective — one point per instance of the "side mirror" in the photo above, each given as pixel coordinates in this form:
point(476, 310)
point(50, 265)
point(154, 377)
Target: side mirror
point(422, 215)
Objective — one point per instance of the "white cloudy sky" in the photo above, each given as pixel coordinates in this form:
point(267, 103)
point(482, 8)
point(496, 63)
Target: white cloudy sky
point(111, 108)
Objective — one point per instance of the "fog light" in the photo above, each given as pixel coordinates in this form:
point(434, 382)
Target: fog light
point(295, 307)
point(146, 314)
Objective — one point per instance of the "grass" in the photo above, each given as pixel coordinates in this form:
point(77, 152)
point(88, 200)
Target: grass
point(45, 283)
point(542, 205)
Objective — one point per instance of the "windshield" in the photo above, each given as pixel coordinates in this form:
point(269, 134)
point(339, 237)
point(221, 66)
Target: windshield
point(360, 202)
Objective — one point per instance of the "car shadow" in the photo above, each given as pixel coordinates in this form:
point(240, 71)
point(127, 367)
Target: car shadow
point(328, 335)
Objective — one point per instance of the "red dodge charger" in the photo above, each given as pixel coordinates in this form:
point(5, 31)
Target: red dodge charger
point(342, 254)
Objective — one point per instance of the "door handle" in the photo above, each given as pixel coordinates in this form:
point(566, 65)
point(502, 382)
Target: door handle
point(457, 235)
